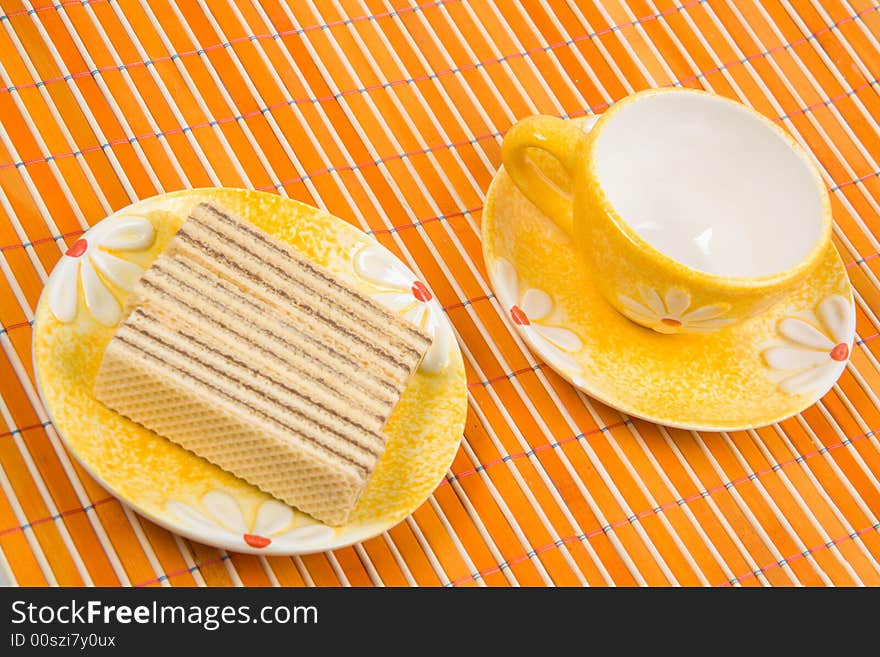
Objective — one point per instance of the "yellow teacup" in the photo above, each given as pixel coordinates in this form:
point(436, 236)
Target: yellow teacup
point(693, 211)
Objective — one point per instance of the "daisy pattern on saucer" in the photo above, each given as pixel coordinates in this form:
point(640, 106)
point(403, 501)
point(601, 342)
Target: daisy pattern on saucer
point(401, 291)
point(528, 312)
point(221, 515)
point(672, 313)
point(815, 347)
point(88, 259)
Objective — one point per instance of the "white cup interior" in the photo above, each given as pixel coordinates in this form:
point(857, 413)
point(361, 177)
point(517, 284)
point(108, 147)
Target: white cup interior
point(710, 184)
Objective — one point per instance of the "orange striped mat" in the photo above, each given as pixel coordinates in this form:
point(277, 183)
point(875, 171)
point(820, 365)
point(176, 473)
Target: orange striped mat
point(390, 115)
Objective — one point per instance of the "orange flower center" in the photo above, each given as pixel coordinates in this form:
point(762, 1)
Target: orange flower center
point(671, 321)
point(519, 316)
point(256, 541)
point(421, 292)
point(77, 248)
point(840, 352)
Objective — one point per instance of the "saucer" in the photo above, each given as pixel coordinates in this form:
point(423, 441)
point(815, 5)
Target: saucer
point(76, 318)
point(747, 375)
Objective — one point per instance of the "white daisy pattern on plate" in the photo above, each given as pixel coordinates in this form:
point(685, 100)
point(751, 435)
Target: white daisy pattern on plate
point(88, 259)
point(554, 344)
point(221, 516)
point(672, 313)
point(402, 292)
point(815, 348)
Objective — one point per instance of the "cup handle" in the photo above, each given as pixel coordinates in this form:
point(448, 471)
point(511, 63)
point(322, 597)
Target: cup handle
point(559, 138)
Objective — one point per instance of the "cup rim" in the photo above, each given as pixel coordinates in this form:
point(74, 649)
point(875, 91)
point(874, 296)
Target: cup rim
point(675, 267)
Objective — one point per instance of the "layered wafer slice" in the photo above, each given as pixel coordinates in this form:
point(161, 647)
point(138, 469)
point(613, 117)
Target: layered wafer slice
point(262, 362)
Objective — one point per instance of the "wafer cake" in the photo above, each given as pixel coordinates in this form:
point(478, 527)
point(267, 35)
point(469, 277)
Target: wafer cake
point(265, 363)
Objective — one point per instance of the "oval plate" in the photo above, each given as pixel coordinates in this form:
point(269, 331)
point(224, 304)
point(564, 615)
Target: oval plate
point(187, 494)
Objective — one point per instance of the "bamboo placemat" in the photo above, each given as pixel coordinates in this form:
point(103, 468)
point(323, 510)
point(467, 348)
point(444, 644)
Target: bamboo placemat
point(391, 116)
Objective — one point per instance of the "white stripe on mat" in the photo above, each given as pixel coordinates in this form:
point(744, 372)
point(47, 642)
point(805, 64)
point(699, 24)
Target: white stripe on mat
point(93, 518)
point(483, 531)
point(303, 571)
point(186, 553)
point(45, 495)
point(173, 107)
point(367, 563)
point(126, 185)
point(8, 274)
point(200, 101)
point(834, 69)
point(502, 59)
point(867, 431)
point(759, 485)
point(7, 577)
point(398, 558)
point(820, 529)
point(41, 208)
point(135, 522)
point(829, 459)
point(747, 511)
point(597, 41)
point(429, 114)
point(428, 550)
point(451, 106)
point(21, 373)
point(845, 441)
point(80, 100)
point(551, 53)
point(196, 94)
point(179, 169)
point(289, 151)
point(456, 541)
point(811, 117)
point(82, 496)
point(713, 505)
point(340, 573)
